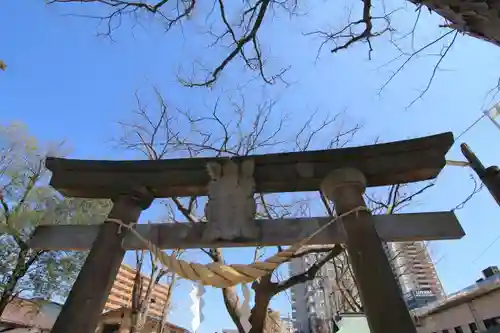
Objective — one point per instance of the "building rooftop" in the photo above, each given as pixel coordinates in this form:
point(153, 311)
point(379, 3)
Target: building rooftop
point(30, 313)
point(353, 323)
point(465, 295)
point(120, 313)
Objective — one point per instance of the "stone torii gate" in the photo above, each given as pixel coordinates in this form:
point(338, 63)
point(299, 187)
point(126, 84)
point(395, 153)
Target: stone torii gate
point(342, 175)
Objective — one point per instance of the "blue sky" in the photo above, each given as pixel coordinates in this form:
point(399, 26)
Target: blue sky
point(64, 82)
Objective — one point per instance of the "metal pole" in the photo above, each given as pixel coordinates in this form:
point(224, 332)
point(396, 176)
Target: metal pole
point(489, 176)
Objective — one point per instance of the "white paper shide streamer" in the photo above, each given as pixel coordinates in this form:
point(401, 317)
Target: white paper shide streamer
point(245, 308)
point(197, 305)
point(493, 113)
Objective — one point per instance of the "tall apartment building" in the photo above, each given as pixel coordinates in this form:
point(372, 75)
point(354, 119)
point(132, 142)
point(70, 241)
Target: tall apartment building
point(121, 292)
point(416, 273)
point(316, 304)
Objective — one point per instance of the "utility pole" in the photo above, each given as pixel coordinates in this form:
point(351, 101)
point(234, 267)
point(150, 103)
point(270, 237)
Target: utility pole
point(490, 176)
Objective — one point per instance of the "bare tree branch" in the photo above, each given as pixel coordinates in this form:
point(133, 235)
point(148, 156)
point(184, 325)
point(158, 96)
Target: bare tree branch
point(238, 27)
point(311, 272)
point(442, 55)
point(347, 36)
point(314, 250)
point(212, 135)
point(242, 36)
point(420, 52)
point(477, 188)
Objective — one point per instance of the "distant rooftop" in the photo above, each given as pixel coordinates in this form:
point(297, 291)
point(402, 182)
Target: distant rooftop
point(353, 323)
point(480, 288)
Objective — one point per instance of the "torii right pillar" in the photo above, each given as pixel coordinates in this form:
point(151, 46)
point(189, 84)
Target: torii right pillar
point(380, 294)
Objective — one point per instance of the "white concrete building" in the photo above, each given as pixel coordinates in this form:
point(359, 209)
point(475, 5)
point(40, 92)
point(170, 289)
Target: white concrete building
point(475, 309)
point(316, 303)
point(300, 315)
point(287, 325)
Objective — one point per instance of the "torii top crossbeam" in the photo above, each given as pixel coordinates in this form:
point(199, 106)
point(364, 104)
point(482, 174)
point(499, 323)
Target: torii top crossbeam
point(382, 164)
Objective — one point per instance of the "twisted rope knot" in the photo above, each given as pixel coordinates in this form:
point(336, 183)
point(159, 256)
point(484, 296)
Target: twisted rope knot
point(121, 224)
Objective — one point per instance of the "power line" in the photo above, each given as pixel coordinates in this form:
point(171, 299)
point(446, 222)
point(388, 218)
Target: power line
point(470, 127)
point(491, 117)
point(491, 114)
point(486, 250)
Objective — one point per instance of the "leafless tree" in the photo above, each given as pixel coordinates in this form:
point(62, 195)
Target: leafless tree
point(238, 133)
point(143, 139)
point(237, 26)
point(172, 279)
point(145, 282)
point(231, 129)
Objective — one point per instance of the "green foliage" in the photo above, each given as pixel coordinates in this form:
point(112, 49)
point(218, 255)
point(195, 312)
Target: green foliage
point(26, 201)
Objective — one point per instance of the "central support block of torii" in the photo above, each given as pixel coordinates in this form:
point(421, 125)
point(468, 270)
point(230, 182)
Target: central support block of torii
point(381, 297)
point(230, 184)
point(231, 207)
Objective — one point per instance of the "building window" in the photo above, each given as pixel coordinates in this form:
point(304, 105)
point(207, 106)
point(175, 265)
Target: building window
point(111, 328)
point(492, 322)
point(458, 329)
point(473, 328)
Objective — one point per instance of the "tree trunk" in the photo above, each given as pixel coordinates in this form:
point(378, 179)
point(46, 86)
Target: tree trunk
point(264, 291)
point(232, 306)
point(22, 266)
point(230, 297)
point(166, 308)
point(136, 297)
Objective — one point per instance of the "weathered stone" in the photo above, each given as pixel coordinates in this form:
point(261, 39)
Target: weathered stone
point(231, 206)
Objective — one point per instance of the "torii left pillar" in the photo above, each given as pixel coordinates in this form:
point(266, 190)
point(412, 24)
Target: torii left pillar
point(383, 304)
point(84, 305)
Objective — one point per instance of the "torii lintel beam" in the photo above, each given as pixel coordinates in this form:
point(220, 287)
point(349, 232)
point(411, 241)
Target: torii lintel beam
point(390, 228)
point(382, 164)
